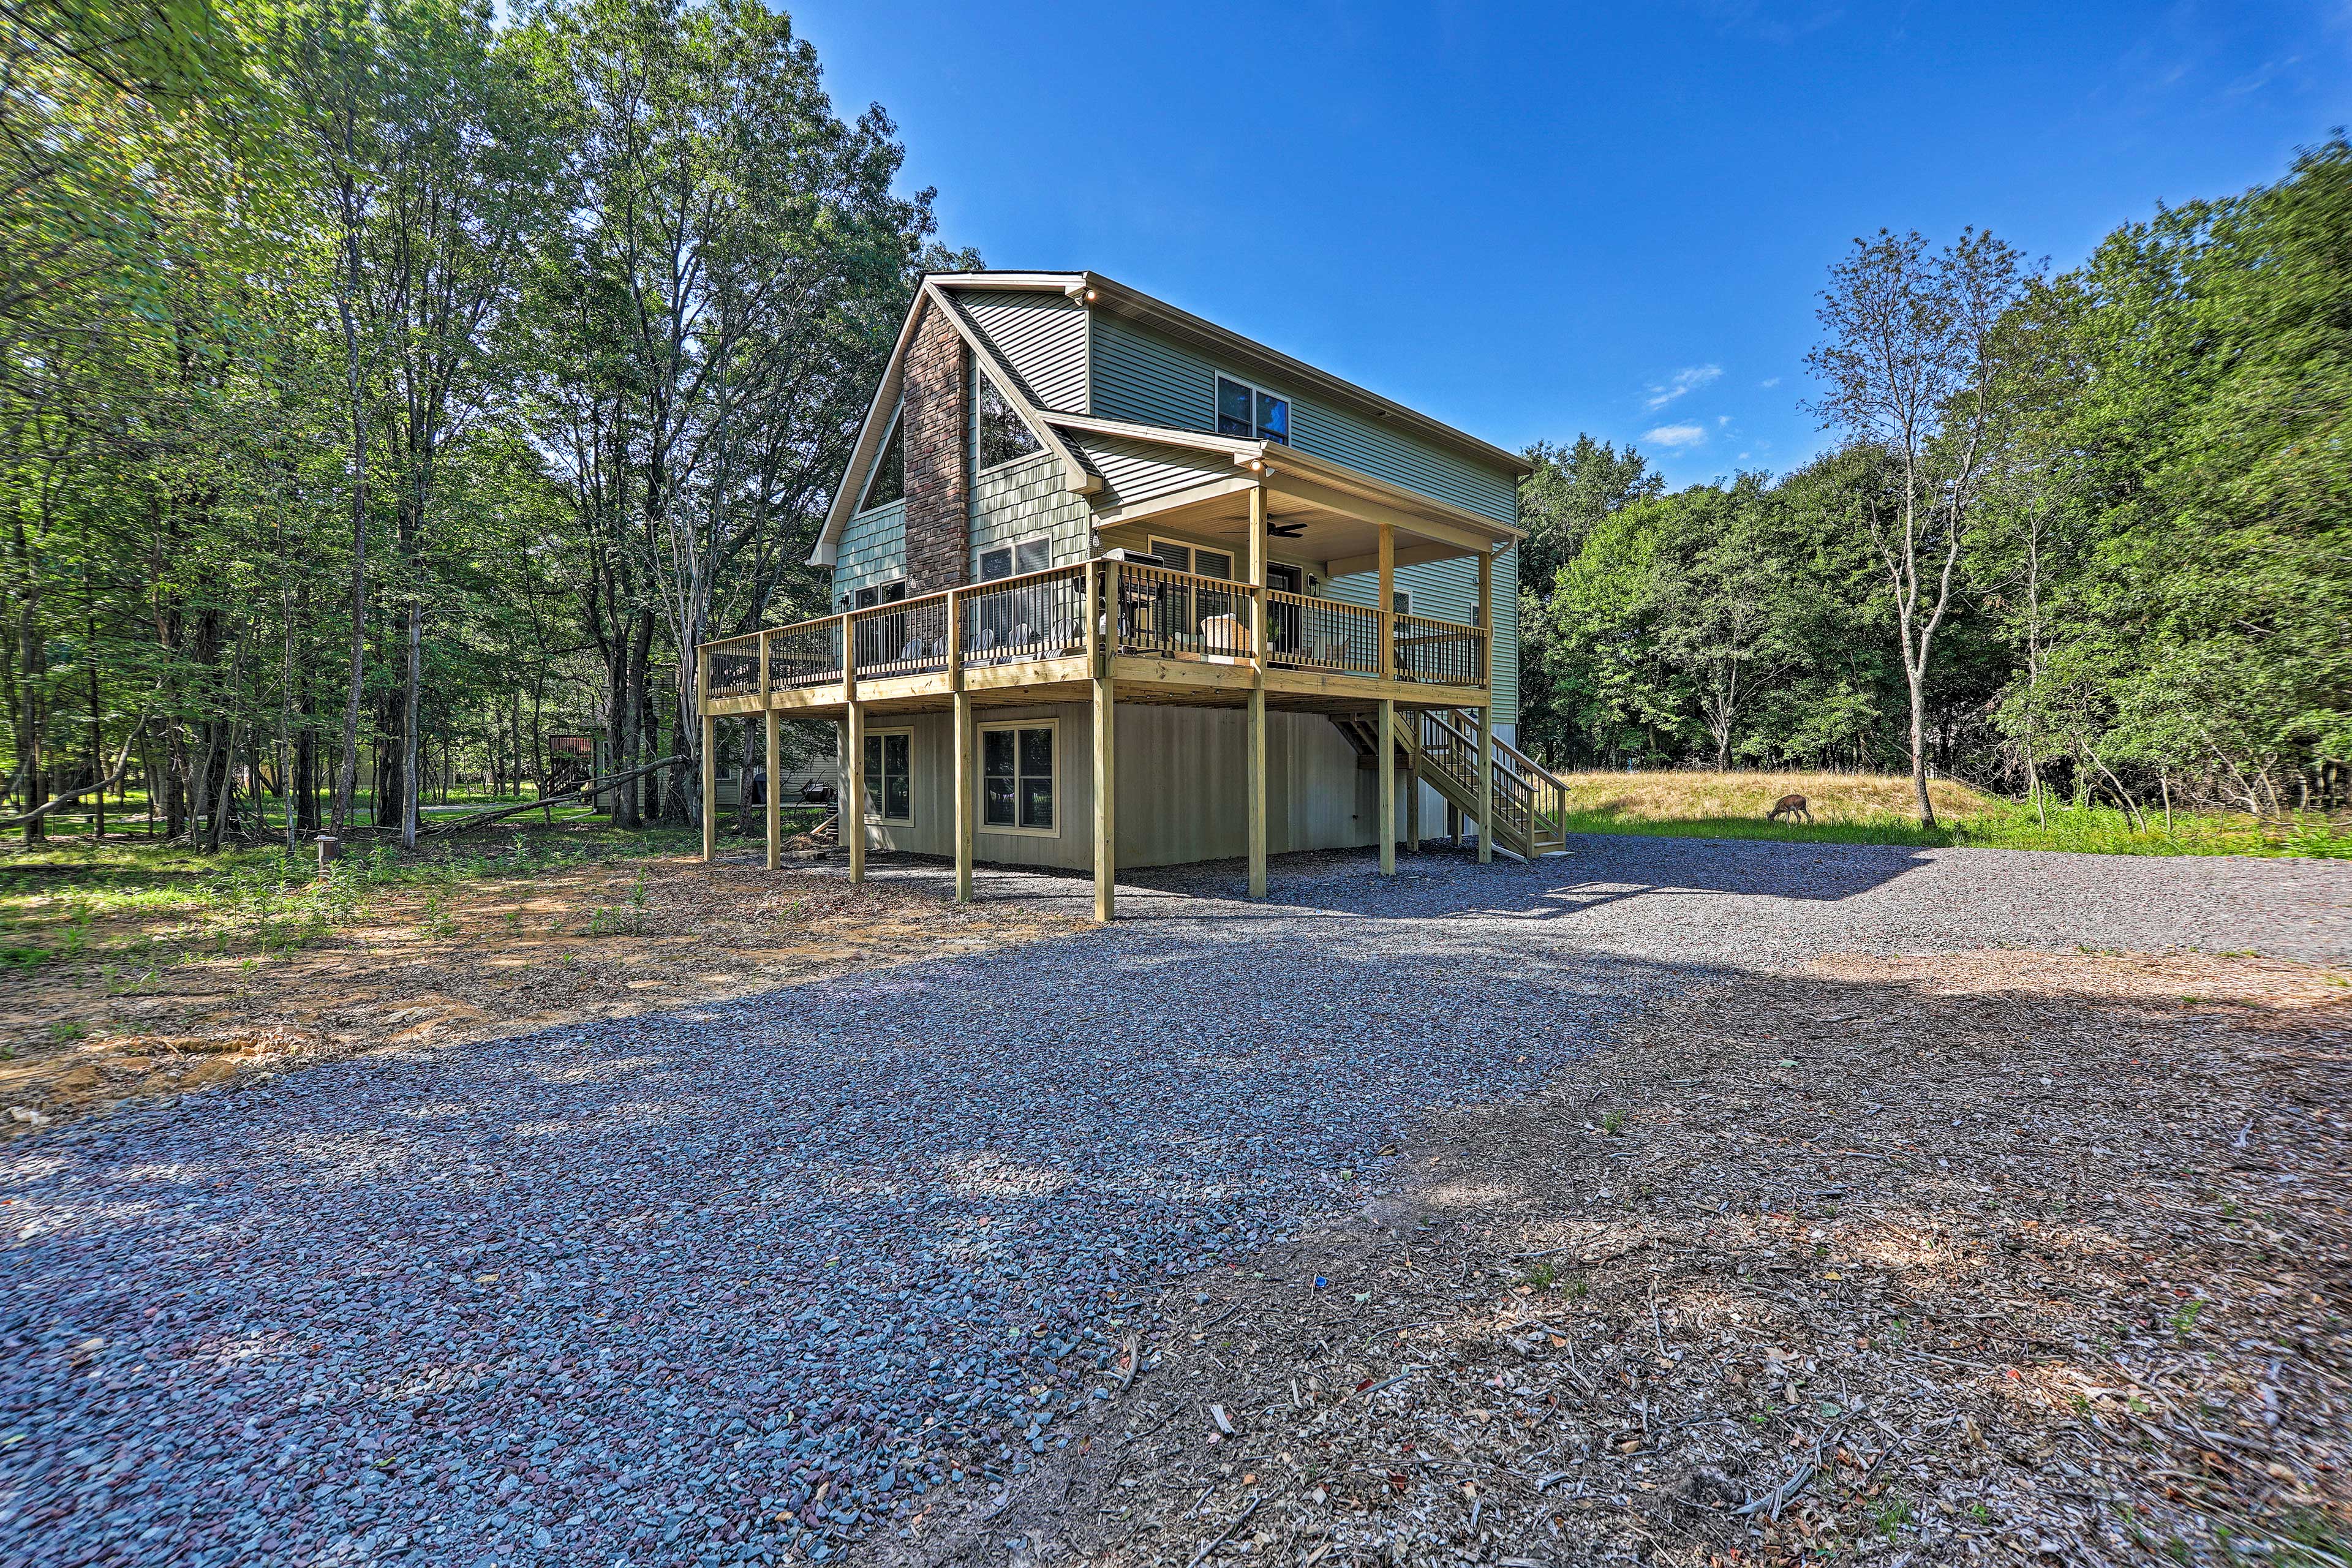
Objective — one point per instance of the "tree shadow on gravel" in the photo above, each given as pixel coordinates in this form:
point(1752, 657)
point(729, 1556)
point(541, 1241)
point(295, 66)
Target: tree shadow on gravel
point(2030, 1253)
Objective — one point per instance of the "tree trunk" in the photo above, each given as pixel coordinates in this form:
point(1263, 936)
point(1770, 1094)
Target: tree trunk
point(410, 783)
point(1919, 747)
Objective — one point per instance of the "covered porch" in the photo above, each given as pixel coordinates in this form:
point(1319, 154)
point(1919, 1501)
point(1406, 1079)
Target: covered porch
point(1127, 629)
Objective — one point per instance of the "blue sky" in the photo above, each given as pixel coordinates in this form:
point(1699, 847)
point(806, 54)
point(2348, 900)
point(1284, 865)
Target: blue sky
point(1532, 221)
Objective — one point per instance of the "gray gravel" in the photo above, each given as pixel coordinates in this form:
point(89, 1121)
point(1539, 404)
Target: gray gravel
point(645, 1291)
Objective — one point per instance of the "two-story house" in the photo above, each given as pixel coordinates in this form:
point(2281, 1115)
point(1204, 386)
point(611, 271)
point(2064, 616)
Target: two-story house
point(1114, 585)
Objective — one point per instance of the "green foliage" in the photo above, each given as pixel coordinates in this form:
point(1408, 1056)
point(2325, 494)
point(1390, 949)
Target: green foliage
point(2146, 468)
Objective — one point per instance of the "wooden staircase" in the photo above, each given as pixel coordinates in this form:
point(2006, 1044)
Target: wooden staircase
point(1530, 802)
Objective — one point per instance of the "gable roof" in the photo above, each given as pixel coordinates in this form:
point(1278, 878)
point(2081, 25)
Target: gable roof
point(1100, 293)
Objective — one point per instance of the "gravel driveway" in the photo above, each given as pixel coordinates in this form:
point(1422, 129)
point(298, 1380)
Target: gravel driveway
point(727, 1283)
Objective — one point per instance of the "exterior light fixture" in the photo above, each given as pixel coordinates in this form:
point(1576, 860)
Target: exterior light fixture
point(1090, 295)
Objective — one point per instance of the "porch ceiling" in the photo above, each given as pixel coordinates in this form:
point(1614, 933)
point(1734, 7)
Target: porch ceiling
point(1341, 541)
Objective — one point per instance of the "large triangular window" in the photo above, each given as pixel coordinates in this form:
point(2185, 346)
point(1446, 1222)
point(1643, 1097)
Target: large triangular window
point(999, 432)
point(889, 480)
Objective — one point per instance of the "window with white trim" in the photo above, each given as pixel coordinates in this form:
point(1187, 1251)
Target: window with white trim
point(999, 434)
point(875, 593)
point(1194, 558)
point(1401, 601)
point(890, 775)
point(1022, 555)
point(1017, 777)
point(1250, 412)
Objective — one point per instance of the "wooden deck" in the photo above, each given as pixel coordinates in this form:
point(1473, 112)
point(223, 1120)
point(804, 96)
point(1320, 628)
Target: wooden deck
point(1104, 632)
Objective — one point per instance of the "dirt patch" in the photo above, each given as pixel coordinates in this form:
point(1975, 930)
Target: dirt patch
point(434, 965)
point(2000, 1257)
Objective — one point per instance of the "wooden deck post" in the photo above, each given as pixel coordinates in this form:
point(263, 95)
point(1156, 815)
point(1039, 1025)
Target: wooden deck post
point(852, 812)
point(710, 757)
point(1486, 714)
point(1104, 575)
point(775, 757)
point(1412, 789)
point(775, 802)
point(853, 808)
point(964, 782)
point(1388, 785)
point(1387, 603)
point(1486, 782)
point(1256, 787)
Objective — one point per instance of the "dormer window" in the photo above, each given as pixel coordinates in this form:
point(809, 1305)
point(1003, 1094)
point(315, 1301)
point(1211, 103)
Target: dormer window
point(1250, 412)
point(999, 432)
point(889, 480)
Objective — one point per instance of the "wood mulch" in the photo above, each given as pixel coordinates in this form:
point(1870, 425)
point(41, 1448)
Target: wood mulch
point(1998, 1256)
point(477, 960)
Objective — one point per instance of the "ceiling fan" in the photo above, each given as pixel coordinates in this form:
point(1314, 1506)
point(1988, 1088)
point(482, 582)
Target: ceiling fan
point(1285, 530)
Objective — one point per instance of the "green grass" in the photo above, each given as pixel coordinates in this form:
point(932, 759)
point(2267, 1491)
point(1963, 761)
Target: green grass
point(2003, 824)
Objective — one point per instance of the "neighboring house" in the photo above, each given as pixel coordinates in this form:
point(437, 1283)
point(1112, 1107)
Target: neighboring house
point(1085, 536)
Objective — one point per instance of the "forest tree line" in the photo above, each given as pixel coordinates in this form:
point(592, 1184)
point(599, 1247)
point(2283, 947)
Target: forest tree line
point(382, 390)
point(2139, 472)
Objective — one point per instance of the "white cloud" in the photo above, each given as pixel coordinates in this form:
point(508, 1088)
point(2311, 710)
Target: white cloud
point(1686, 380)
point(1770, 381)
point(1674, 436)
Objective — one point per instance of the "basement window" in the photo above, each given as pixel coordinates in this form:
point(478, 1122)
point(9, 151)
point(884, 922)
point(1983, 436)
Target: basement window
point(1016, 777)
point(1250, 412)
point(889, 775)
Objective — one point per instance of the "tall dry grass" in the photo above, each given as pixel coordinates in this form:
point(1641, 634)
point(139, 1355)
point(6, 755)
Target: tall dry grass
point(1680, 796)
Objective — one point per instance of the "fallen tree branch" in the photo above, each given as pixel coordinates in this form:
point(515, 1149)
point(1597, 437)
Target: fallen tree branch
point(121, 766)
point(593, 787)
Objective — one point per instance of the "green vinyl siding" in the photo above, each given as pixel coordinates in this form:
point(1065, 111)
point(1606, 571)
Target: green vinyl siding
point(1140, 376)
point(873, 549)
point(1042, 336)
point(1448, 591)
point(1020, 500)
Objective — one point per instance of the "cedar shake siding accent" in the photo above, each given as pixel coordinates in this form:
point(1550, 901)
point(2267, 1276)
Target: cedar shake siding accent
point(938, 495)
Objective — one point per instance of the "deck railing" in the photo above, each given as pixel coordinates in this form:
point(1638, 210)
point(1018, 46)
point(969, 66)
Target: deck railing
point(808, 654)
point(1323, 633)
point(1442, 652)
point(1046, 614)
point(910, 638)
point(1178, 614)
point(733, 667)
point(1042, 614)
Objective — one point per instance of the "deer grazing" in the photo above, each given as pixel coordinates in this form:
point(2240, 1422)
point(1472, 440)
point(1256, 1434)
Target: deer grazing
point(1794, 804)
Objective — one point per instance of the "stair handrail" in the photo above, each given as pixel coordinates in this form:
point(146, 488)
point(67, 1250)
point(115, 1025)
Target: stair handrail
point(1545, 792)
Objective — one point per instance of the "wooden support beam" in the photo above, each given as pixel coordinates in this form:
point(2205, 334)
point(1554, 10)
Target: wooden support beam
point(852, 810)
point(1388, 782)
point(1485, 783)
point(775, 799)
point(774, 748)
point(1412, 797)
point(1388, 604)
point(1255, 789)
point(1486, 618)
point(710, 789)
point(1106, 793)
point(967, 782)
